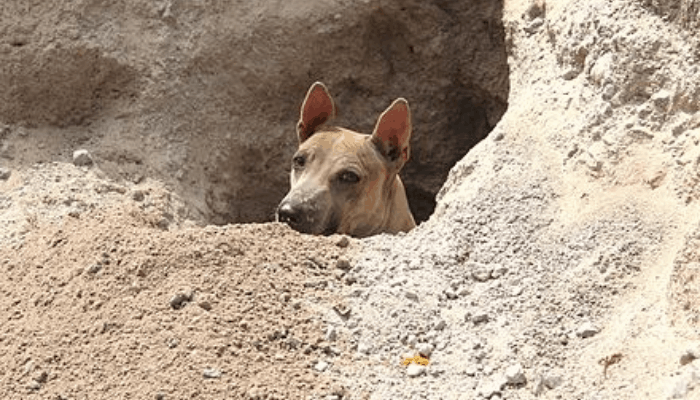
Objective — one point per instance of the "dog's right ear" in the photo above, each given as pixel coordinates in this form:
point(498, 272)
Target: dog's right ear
point(317, 109)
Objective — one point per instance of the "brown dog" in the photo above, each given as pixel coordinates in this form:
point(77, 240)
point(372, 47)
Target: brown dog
point(347, 182)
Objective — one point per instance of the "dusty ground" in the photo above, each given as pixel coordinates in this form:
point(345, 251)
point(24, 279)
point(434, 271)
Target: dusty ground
point(90, 309)
point(561, 260)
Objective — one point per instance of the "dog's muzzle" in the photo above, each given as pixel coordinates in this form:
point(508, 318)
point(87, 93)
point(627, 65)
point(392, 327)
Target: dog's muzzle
point(296, 215)
point(304, 217)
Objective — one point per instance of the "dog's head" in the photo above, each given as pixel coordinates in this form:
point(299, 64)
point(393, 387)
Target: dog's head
point(342, 181)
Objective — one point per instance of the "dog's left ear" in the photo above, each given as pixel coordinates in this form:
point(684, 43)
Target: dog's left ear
point(392, 133)
point(317, 109)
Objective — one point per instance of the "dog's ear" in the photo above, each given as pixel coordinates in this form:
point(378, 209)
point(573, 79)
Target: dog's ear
point(317, 109)
point(392, 133)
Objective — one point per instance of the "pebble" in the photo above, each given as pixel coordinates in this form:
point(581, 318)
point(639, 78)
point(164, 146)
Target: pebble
point(331, 334)
point(5, 174)
point(479, 317)
point(343, 242)
point(82, 158)
point(321, 366)
point(441, 324)
point(587, 330)
point(498, 271)
point(180, 300)
point(343, 264)
point(480, 272)
point(425, 349)
point(205, 305)
point(411, 295)
point(514, 375)
point(690, 355)
point(212, 373)
point(137, 195)
point(415, 370)
point(451, 294)
point(94, 268)
point(552, 381)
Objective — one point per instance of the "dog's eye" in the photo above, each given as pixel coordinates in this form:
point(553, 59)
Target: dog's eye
point(349, 177)
point(299, 161)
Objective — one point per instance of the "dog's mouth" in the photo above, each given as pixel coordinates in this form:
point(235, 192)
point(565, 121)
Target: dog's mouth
point(331, 227)
point(304, 222)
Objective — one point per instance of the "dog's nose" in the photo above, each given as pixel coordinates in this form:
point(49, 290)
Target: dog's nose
point(293, 216)
point(287, 214)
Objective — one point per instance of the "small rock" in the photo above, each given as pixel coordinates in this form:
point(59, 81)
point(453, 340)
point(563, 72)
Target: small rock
point(331, 334)
point(587, 330)
point(343, 242)
point(180, 300)
point(552, 381)
point(534, 24)
point(425, 349)
point(160, 396)
point(205, 305)
point(82, 158)
point(94, 268)
point(451, 294)
point(514, 375)
point(321, 366)
point(498, 271)
point(480, 272)
point(41, 377)
point(479, 317)
point(5, 174)
point(690, 355)
point(212, 373)
point(137, 195)
point(415, 370)
point(411, 295)
point(343, 264)
point(441, 324)
point(34, 385)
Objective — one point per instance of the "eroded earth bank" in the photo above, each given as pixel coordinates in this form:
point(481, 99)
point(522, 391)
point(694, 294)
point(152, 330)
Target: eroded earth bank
point(554, 171)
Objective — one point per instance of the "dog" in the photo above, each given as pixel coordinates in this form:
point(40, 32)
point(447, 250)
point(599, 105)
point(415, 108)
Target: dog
point(344, 181)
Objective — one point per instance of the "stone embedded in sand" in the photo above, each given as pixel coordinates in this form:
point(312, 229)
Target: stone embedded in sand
point(5, 174)
point(82, 158)
point(425, 349)
point(343, 264)
point(587, 330)
point(514, 374)
point(480, 272)
point(180, 300)
point(321, 366)
point(211, 373)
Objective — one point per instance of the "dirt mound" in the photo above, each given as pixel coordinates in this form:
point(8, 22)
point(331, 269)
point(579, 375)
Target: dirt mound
point(109, 305)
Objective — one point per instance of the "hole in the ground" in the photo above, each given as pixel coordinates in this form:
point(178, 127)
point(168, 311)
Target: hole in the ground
point(456, 82)
point(218, 124)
